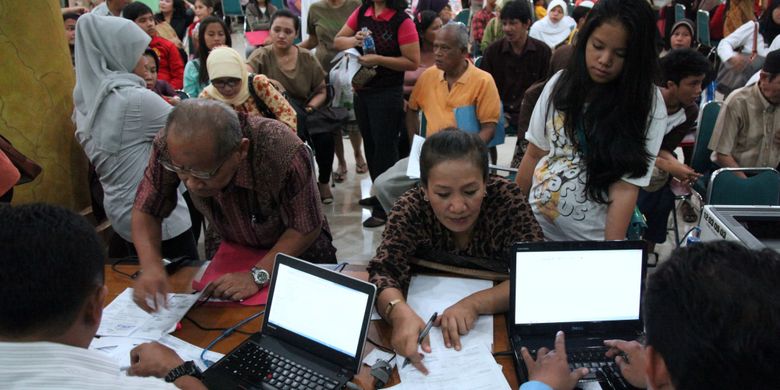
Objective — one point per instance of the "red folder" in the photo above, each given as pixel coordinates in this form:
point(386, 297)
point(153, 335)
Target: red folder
point(256, 38)
point(232, 257)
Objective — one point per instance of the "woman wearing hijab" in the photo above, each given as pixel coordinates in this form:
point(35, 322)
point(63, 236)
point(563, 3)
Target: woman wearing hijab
point(230, 84)
point(117, 118)
point(554, 28)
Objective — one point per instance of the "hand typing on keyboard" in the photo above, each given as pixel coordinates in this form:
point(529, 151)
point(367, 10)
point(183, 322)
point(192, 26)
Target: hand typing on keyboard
point(630, 357)
point(551, 367)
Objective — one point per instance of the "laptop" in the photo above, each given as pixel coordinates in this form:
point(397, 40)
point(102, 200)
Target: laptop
point(590, 290)
point(312, 336)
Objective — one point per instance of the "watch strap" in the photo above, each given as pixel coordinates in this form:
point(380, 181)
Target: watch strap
point(187, 368)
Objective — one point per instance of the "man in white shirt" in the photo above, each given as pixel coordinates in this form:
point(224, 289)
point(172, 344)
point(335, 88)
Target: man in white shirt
point(51, 301)
point(110, 8)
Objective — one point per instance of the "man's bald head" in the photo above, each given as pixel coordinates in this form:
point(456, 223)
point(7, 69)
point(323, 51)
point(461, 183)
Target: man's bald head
point(199, 119)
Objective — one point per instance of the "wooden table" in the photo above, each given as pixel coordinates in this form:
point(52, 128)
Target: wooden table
point(225, 316)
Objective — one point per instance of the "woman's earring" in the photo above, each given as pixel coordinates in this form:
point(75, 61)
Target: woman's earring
point(425, 198)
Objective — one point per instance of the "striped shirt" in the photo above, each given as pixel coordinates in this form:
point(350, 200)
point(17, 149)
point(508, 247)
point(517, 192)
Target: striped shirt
point(46, 365)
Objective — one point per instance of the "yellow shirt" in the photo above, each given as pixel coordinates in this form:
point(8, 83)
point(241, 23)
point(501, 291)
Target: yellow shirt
point(475, 87)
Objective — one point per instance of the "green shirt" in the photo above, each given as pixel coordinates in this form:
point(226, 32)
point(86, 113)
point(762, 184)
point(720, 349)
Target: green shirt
point(325, 22)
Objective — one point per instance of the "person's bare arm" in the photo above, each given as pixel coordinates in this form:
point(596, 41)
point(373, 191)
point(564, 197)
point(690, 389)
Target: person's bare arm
point(406, 327)
point(347, 38)
point(412, 123)
point(622, 196)
point(319, 98)
point(151, 287)
point(525, 172)
point(728, 161)
point(459, 318)
point(487, 131)
point(311, 42)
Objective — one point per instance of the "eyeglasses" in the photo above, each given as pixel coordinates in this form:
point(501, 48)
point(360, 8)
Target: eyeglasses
point(201, 175)
point(222, 83)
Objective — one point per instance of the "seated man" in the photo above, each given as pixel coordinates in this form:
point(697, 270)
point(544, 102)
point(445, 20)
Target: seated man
point(251, 177)
point(747, 132)
point(516, 61)
point(683, 72)
point(170, 66)
point(453, 82)
point(49, 316)
point(711, 315)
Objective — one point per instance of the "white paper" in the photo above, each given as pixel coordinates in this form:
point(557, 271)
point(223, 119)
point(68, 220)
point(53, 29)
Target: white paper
point(123, 318)
point(413, 168)
point(118, 349)
point(188, 351)
point(429, 294)
point(377, 354)
point(472, 368)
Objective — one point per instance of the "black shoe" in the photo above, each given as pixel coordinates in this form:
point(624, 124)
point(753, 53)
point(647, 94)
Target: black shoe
point(378, 218)
point(369, 202)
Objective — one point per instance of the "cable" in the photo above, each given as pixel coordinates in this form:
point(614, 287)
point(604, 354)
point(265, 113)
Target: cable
point(208, 329)
point(686, 235)
point(129, 259)
point(381, 347)
point(225, 334)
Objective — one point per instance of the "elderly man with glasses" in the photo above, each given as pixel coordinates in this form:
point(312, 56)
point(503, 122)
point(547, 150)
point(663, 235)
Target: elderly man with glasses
point(251, 178)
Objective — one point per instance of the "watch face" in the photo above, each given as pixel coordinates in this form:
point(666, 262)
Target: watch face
point(260, 275)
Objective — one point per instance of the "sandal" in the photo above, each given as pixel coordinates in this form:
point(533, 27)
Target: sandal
point(325, 199)
point(361, 168)
point(339, 175)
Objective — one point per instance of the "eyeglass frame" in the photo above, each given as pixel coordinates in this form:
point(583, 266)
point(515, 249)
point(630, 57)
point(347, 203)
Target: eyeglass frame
point(232, 82)
point(200, 175)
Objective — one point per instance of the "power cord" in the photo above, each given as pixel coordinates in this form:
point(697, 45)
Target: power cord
point(225, 334)
point(129, 259)
point(209, 329)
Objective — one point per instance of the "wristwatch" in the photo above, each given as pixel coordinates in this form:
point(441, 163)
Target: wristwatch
point(261, 276)
point(187, 368)
point(309, 109)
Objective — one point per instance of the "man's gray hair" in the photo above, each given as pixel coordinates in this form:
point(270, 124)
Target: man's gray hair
point(193, 118)
point(460, 32)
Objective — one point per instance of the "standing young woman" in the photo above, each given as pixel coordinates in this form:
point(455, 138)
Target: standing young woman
point(597, 127)
point(203, 9)
point(323, 23)
point(304, 80)
point(212, 32)
point(176, 13)
point(379, 103)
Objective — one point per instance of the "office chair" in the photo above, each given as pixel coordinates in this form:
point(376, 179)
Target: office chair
point(703, 27)
point(761, 189)
point(700, 161)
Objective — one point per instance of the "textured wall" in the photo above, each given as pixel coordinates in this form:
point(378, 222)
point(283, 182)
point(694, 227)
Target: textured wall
point(36, 86)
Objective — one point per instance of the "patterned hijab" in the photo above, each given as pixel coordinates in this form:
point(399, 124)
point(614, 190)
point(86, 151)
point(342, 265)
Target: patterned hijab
point(223, 61)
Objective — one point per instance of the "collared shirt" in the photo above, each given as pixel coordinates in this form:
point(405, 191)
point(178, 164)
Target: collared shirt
point(273, 189)
point(46, 365)
point(478, 23)
point(746, 128)
point(121, 154)
point(438, 101)
point(414, 230)
point(407, 32)
point(514, 73)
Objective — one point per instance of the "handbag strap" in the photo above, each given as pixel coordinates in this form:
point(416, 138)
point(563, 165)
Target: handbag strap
point(754, 52)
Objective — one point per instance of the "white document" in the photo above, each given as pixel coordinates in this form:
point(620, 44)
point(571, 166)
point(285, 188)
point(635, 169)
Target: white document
point(471, 368)
point(118, 349)
point(413, 168)
point(123, 318)
point(430, 294)
point(188, 351)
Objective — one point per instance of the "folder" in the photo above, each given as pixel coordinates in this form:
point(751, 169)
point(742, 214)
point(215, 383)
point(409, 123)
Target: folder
point(466, 118)
point(256, 38)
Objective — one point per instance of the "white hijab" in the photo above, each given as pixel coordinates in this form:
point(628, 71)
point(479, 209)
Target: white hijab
point(106, 52)
point(552, 33)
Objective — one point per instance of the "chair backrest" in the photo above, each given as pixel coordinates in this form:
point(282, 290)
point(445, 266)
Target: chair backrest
point(478, 61)
point(703, 27)
point(464, 16)
point(700, 161)
point(679, 12)
point(761, 189)
point(232, 8)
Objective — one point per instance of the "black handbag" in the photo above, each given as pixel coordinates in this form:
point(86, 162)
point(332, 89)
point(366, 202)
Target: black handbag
point(325, 119)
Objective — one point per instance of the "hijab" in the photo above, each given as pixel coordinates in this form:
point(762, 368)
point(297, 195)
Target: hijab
point(223, 61)
point(106, 52)
point(550, 32)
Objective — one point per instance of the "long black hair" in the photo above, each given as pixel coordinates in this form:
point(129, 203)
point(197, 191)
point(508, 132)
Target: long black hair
point(617, 116)
point(203, 51)
point(398, 5)
point(766, 25)
point(422, 21)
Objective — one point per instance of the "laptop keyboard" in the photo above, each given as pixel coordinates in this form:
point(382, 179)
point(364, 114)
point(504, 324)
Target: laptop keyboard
point(252, 363)
point(600, 367)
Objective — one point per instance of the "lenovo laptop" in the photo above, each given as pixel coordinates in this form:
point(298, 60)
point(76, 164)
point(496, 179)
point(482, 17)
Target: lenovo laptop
point(590, 290)
point(312, 337)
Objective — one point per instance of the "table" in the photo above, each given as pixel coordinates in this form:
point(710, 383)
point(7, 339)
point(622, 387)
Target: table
point(225, 316)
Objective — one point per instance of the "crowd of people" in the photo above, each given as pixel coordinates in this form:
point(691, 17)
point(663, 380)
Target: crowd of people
point(183, 133)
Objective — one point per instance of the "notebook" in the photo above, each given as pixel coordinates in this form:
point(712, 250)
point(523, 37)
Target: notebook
point(313, 332)
point(590, 290)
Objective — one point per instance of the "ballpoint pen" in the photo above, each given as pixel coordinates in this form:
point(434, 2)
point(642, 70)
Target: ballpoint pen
point(423, 335)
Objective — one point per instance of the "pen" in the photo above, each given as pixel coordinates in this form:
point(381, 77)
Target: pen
point(423, 335)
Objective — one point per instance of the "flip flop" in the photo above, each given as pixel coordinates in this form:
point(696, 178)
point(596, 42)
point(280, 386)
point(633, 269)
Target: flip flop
point(340, 175)
point(361, 168)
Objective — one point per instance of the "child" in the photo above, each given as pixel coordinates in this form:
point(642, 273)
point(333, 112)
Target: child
point(69, 20)
point(160, 87)
point(203, 9)
point(171, 67)
point(212, 32)
point(597, 127)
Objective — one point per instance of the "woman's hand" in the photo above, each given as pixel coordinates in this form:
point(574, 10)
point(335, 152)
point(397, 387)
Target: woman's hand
point(683, 173)
point(456, 321)
point(359, 36)
point(407, 326)
point(370, 60)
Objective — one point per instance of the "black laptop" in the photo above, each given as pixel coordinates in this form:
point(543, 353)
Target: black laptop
point(313, 332)
point(590, 290)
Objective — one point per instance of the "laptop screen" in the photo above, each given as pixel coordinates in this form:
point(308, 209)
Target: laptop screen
point(577, 285)
point(325, 312)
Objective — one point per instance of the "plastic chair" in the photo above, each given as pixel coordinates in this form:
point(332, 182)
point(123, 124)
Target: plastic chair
point(679, 12)
point(700, 161)
point(761, 189)
point(464, 17)
point(478, 61)
point(703, 27)
point(232, 9)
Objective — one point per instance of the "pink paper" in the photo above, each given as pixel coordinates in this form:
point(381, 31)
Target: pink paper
point(231, 257)
point(256, 38)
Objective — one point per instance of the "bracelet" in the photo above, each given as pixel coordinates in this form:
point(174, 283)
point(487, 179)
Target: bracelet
point(391, 306)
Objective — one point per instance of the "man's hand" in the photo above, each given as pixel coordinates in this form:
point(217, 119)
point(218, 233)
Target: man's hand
point(407, 326)
point(629, 356)
point(370, 60)
point(150, 289)
point(457, 320)
point(234, 286)
point(153, 359)
point(551, 367)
